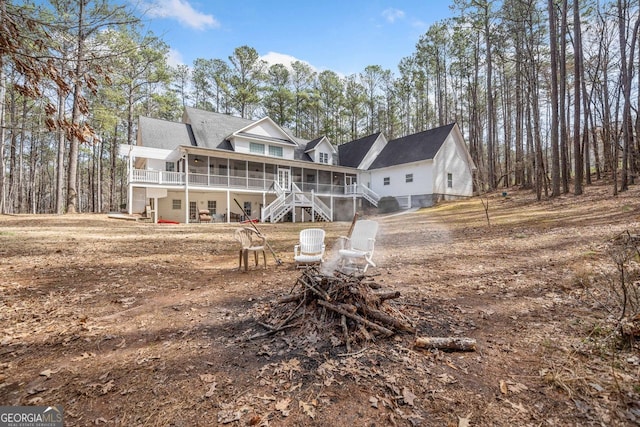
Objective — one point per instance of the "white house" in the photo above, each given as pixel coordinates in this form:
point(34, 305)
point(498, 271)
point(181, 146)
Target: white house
point(423, 168)
point(215, 162)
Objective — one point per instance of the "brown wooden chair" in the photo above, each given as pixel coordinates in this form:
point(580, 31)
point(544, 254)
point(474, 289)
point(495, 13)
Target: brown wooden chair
point(250, 241)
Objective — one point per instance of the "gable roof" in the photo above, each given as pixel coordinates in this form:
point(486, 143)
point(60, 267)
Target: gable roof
point(352, 153)
point(246, 132)
point(312, 144)
point(211, 130)
point(163, 134)
point(412, 148)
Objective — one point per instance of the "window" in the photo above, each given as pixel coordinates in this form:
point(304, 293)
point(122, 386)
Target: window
point(450, 180)
point(176, 204)
point(212, 206)
point(324, 158)
point(275, 151)
point(170, 167)
point(386, 180)
point(247, 209)
point(256, 148)
point(408, 177)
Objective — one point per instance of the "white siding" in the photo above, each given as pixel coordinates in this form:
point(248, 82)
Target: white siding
point(266, 128)
point(422, 179)
point(323, 147)
point(241, 145)
point(452, 158)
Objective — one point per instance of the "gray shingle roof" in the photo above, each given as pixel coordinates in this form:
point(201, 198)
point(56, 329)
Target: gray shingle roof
point(206, 129)
point(412, 148)
point(158, 133)
point(352, 153)
point(312, 144)
point(212, 129)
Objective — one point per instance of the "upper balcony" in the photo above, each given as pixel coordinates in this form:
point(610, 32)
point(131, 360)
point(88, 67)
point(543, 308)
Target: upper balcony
point(221, 182)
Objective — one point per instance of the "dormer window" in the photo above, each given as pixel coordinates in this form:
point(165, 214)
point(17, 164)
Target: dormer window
point(256, 148)
point(275, 151)
point(324, 158)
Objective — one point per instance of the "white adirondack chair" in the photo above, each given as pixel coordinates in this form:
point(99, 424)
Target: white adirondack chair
point(356, 252)
point(310, 249)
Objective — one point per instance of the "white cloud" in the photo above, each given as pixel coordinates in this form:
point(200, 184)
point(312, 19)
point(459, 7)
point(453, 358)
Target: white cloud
point(183, 12)
point(174, 58)
point(272, 58)
point(391, 14)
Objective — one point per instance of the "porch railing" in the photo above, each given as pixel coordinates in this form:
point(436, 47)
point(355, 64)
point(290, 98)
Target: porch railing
point(157, 177)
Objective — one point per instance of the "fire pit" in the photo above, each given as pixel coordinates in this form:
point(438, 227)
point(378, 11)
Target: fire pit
point(351, 304)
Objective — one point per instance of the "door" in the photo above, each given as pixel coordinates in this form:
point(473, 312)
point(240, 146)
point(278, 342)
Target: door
point(284, 179)
point(350, 184)
point(193, 211)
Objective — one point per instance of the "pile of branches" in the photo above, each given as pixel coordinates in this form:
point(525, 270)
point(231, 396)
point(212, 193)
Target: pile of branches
point(353, 304)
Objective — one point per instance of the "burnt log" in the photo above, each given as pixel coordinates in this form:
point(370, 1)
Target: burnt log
point(447, 343)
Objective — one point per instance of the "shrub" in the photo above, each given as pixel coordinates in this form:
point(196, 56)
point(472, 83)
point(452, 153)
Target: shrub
point(388, 204)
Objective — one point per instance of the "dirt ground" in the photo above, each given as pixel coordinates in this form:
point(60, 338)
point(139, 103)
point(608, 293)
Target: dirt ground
point(137, 324)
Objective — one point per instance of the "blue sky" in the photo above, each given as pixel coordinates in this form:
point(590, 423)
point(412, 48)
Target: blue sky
point(340, 35)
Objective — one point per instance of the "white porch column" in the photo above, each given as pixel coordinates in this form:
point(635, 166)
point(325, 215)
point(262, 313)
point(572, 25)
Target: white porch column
point(155, 210)
point(331, 206)
point(130, 189)
point(228, 206)
point(186, 189)
point(264, 203)
point(354, 205)
point(313, 207)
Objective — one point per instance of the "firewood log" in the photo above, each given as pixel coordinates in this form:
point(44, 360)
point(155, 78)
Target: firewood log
point(447, 343)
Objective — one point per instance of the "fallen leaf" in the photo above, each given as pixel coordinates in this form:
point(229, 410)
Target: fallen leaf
point(408, 396)
point(283, 406)
point(229, 416)
point(374, 401)
point(464, 422)
point(307, 408)
point(516, 387)
point(208, 378)
point(84, 355)
point(107, 387)
point(47, 373)
point(212, 390)
point(518, 406)
point(503, 387)
point(266, 397)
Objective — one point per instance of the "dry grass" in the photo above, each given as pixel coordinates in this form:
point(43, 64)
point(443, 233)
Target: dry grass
point(142, 324)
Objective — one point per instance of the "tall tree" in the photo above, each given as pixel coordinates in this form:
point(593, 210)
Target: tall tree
point(247, 75)
point(371, 79)
point(279, 99)
point(555, 147)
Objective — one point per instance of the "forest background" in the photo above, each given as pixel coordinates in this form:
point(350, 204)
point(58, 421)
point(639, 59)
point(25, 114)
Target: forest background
point(546, 94)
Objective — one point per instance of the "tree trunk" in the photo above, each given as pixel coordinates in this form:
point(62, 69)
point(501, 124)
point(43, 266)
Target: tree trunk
point(72, 175)
point(577, 152)
point(60, 156)
point(3, 169)
point(564, 133)
point(555, 151)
